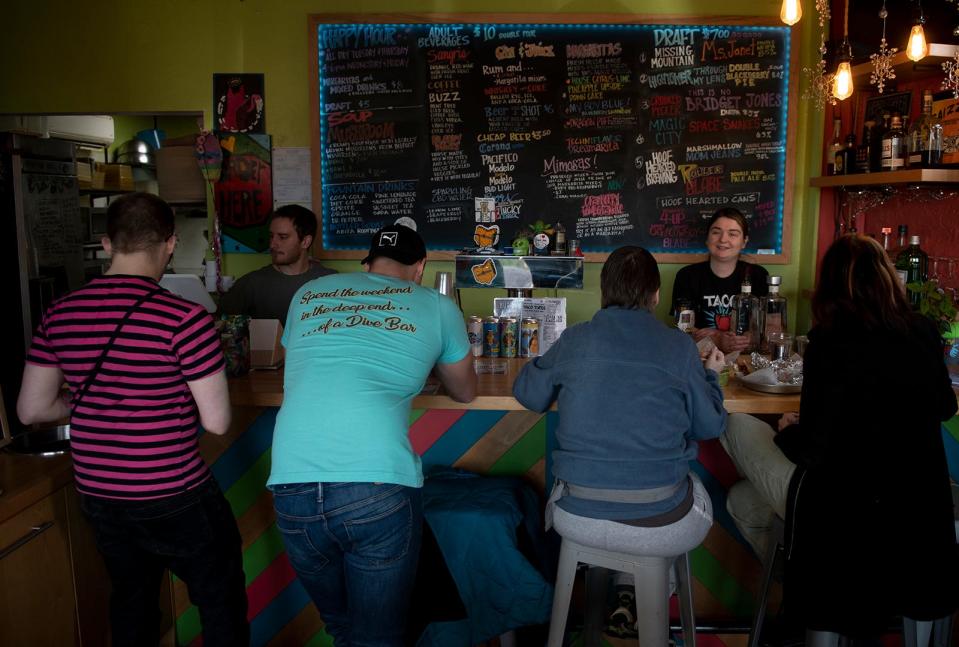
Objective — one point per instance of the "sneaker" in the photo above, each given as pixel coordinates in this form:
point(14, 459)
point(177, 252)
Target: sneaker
point(622, 622)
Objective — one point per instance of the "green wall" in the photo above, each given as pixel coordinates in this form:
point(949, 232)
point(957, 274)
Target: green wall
point(114, 56)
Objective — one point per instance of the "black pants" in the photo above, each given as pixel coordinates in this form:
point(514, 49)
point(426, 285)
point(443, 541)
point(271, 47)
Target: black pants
point(193, 534)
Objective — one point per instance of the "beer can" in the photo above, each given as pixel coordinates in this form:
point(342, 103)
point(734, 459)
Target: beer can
point(508, 336)
point(491, 337)
point(529, 338)
point(475, 331)
point(574, 249)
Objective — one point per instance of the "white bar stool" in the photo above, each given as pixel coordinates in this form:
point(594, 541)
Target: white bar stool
point(651, 577)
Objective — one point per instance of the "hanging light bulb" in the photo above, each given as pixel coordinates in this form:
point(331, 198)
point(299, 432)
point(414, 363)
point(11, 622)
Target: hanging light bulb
point(842, 86)
point(791, 12)
point(917, 48)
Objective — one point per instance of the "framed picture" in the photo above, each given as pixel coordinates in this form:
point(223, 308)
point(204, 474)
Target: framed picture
point(883, 104)
point(239, 104)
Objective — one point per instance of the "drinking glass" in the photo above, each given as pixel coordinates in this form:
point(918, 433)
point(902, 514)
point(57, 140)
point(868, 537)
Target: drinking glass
point(936, 266)
point(801, 342)
point(947, 273)
point(780, 345)
point(443, 282)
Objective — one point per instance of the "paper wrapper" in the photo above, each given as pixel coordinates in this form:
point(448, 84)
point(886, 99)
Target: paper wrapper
point(783, 371)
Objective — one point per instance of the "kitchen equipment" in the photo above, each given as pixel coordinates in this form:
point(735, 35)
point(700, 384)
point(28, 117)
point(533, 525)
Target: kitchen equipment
point(41, 242)
point(50, 441)
point(135, 153)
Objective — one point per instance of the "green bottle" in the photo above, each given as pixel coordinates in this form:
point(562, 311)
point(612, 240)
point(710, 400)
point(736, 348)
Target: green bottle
point(912, 267)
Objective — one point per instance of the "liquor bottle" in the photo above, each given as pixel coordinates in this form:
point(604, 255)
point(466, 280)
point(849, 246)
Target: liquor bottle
point(880, 129)
point(912, 267)
point(773, 307)
point(925, 137)
point(559, 240)
point(867, 149)
point(901, 244)
point(848, 156)
point(892, 146)
point(744, 305)
point(886, 231)
point(834, 147)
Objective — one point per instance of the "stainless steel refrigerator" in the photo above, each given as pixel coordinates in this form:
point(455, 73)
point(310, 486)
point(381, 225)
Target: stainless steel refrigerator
point(42, 236)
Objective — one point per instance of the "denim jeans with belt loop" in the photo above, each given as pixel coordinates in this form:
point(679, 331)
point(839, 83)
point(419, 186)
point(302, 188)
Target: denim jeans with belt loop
point(355, 548)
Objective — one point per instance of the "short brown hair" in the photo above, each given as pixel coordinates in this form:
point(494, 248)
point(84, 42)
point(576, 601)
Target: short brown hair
point(630, 279)
point(858, 288)
point(138, 221)
point(304, 220)
point(733, 214)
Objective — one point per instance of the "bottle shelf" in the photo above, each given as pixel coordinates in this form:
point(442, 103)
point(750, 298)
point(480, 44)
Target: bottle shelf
point(908, 176)
point(906, 69)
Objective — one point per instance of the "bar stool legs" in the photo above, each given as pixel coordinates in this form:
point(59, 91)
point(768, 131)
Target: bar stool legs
point(651, 577)
point(776, 539)
point(562, 592)
point(917, 633)
point(822, 638)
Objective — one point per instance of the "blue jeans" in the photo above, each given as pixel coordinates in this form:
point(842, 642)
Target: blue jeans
point(193, 534)
point(355, 547)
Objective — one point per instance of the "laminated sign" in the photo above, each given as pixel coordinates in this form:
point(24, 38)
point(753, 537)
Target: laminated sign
point(549, 312)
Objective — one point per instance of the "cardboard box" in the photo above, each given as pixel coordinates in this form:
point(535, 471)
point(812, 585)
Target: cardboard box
point(946, 108)
point(84, 172)
point(178, 175)
point(112, 177)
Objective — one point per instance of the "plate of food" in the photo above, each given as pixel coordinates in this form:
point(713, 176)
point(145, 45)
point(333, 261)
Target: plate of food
point(778, 377)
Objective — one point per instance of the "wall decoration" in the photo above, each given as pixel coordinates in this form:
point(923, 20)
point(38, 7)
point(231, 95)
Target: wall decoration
point(882, 67)
point(238, 103)
point(876, 107)
point(244, 192)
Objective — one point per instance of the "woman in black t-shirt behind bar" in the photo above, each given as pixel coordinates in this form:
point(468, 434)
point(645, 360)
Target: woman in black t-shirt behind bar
point(709, 287)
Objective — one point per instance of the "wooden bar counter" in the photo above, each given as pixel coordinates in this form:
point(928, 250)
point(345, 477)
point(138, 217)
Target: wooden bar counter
point(494, 393)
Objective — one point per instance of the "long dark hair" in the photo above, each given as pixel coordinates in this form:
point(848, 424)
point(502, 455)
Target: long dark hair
point(630, 279)
point(858, 288)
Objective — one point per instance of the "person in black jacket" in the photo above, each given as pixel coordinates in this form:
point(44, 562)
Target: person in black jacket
point(869, 517)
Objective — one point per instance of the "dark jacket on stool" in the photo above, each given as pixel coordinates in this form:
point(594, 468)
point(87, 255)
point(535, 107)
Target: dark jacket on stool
point(870, 528)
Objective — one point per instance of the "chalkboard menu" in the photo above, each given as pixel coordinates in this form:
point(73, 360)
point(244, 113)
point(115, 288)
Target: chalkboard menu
point(624, 133)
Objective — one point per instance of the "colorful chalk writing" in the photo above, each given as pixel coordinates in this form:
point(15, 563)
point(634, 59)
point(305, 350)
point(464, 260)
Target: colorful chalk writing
point(628, 134)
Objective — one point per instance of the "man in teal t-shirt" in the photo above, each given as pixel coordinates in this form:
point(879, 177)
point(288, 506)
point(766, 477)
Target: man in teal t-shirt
point(345, 479)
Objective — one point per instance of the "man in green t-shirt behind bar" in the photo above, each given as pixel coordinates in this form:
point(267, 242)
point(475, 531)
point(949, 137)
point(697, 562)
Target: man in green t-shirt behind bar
point(266, 293)
point(345, 480)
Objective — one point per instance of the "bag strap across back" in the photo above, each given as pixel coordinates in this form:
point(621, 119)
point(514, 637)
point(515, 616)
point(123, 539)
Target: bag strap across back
point(82, 391)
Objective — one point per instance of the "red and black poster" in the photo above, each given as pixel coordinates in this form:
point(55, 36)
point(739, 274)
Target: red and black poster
point(244, 192)
point(239, 104)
